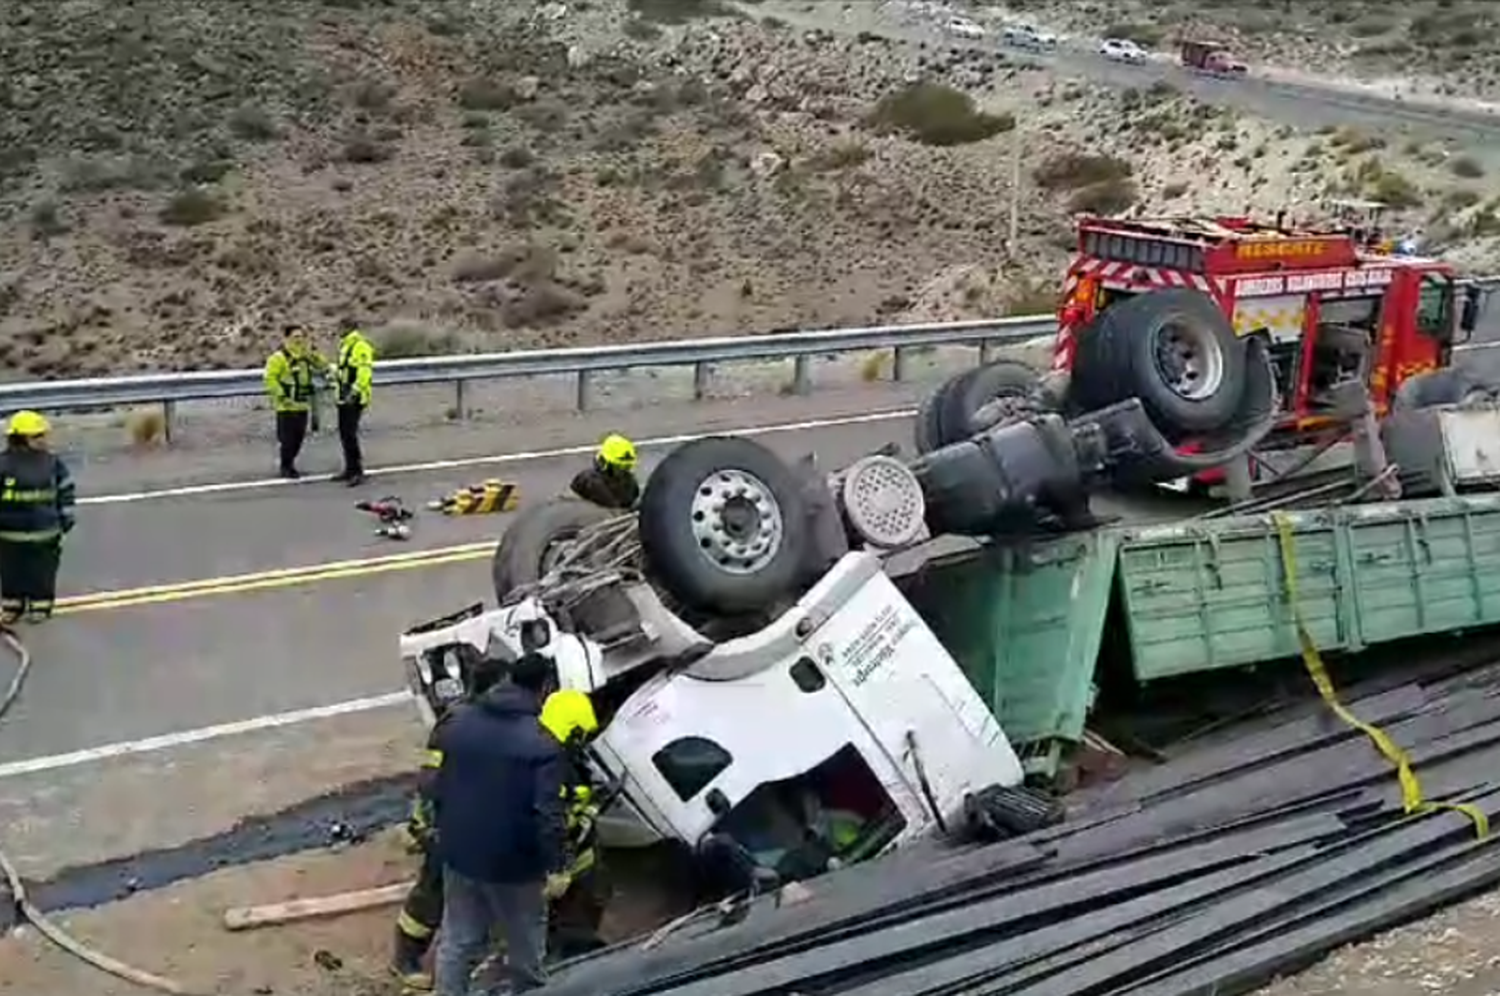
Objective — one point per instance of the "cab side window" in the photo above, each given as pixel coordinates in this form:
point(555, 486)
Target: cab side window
point(689, 764)
point(1434, 307)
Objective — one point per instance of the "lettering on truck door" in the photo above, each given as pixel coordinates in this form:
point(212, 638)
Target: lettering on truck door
point(897, 677)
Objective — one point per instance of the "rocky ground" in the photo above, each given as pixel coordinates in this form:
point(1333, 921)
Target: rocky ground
point(1439, 45)
point(177, 181)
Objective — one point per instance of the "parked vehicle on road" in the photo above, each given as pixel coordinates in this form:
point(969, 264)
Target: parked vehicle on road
point(962, 27)
point(1211, 58)
point(1029, 36)
point(1122, 50)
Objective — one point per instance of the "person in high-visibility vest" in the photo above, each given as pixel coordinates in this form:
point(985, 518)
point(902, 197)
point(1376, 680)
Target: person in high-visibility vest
point(289, 384)
point(576, 900)
point(353, 373)
point(36, 510)
point(610, 481)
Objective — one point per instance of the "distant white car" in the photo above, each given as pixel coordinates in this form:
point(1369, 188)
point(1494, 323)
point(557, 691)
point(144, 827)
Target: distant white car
point(1029, 36)
point(964, 28)
point(1122, 50)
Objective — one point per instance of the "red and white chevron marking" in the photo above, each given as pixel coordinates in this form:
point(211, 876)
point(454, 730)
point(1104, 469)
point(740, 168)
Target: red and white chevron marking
point(1154, 275)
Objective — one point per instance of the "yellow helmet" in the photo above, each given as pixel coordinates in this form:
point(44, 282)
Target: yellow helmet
point(567, 712)
point(27, 423)
point(617, 452)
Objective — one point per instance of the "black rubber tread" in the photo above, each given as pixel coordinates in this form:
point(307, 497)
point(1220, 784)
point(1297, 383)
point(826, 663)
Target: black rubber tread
point(520, 552)
point(1114, 361)
point(962, 397)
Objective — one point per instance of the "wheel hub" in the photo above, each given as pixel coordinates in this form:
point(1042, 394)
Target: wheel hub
point(737, 522)
point(1190, 361)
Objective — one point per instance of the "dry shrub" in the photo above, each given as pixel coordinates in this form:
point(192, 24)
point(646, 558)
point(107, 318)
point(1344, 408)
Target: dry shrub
point(147, 428)
point(1106, 198)
point(874, 365)
point(1075, 170)
point(934, 114)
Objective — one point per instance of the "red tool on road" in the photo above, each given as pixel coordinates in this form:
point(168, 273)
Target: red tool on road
point(392, 514)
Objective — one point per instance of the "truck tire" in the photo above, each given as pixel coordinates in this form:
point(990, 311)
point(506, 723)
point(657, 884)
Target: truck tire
point(1439, 387)
point(1175, 350)
point(925, 429)
point(998, 812)
point(525, 550)
point(960, 400)
point(724, 526)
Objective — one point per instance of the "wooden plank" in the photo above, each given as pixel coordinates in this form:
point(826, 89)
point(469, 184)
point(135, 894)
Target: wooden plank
point(249, 917)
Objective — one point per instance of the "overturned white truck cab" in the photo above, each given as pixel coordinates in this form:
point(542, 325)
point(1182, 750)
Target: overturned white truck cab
point(760, 681)
point(843, 709)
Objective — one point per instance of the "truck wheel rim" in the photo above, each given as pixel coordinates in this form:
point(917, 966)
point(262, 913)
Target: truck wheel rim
point(737, 522)
point(1190, 360)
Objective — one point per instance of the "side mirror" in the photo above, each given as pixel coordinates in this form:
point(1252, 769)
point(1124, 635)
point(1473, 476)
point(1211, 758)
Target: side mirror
point(535, 635)
point(1468, 319)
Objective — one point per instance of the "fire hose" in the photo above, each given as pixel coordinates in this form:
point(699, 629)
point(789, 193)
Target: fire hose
point(18, 896)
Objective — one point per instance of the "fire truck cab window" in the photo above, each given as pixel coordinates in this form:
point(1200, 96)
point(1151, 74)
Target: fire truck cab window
point(689, 764)
point(1435, 306)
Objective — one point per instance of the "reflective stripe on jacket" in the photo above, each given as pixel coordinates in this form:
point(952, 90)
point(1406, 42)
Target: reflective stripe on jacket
point(289, 379)
point(582, 823)
point(355, 370)
point(36, 496)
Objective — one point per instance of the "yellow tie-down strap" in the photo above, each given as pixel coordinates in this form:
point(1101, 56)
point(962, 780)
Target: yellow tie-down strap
point(1412, 800)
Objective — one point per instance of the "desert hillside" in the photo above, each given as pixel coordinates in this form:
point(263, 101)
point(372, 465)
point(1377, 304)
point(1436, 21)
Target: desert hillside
point(180, 179)
point(1441, 46)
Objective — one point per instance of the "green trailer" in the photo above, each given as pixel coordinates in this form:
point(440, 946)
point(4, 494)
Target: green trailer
point(1035, 625)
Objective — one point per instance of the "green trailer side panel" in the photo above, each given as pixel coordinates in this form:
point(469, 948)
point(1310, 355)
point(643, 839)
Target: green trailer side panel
point(1211, 594)
point(1025, 623)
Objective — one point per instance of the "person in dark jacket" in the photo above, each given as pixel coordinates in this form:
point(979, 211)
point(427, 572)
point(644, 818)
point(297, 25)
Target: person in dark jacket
point(36, 510)
point(422, 913)
point(610, 481)
point(501, 830)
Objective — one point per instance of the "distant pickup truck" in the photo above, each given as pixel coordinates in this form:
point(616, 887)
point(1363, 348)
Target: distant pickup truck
point(1211, 58)
point(1029, 36)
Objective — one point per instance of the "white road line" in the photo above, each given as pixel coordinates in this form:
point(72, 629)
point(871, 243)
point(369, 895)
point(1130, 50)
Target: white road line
point(522, 456)
point(166, 741)
point(72, 759)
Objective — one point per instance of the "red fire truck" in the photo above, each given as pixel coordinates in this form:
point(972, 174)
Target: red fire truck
point(1164, 311)
point(1331, 306)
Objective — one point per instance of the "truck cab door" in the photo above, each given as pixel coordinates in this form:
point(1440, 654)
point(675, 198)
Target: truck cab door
point(1435, 317)
point(913, 697)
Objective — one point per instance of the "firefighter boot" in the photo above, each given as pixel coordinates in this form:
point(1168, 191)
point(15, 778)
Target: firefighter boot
point(406, 963)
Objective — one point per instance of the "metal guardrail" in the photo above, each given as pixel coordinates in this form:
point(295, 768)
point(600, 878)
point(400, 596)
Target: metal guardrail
point(168, 389)
point(801, 348)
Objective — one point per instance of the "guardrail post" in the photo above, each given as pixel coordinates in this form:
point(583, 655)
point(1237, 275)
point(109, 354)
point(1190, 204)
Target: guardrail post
point(802, 375)
point(898, 364)
point(585, 391)
point(986, 352)
point(702, 378)
point(460, 403)
point(168, 416)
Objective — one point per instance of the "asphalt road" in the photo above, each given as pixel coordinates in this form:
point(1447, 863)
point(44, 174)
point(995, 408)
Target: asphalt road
point(247, 647)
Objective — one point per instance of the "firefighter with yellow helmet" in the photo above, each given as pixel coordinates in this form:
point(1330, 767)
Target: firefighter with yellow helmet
point(577, 897)
point(575, 900)
point(37, 499)
point(610, 481)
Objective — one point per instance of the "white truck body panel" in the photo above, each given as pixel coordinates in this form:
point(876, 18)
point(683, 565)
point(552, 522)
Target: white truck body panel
point(879, 680)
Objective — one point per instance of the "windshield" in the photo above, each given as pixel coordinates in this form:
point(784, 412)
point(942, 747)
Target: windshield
point(1435, 306)
point(799, 827)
